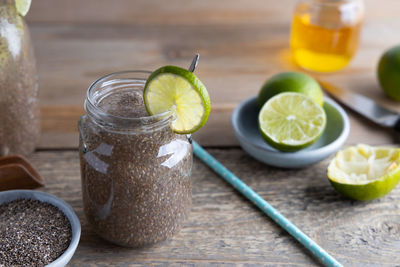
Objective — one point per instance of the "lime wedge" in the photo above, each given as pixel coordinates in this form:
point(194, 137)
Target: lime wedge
point(364, 172)
point(291, 121)
point(22, 6)
point(173, 87)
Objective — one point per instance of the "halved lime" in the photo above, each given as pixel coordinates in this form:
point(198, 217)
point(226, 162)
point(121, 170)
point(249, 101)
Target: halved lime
point(172, 86)
point(22, 6)
point(364, 172)
point(291, 121)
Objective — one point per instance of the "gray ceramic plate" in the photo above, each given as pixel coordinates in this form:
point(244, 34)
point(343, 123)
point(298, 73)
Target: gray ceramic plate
point(245, 126)
point(7, 196)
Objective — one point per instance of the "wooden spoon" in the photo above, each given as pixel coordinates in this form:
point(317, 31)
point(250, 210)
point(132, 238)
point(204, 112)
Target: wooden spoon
point(17, 173)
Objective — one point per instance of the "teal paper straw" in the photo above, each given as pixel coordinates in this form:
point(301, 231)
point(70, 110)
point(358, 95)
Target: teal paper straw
point(307, 242)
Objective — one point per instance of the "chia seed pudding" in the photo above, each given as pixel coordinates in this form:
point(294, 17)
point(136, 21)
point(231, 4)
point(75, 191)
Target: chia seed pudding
point(135, 171)
point(19, 107)
point(32, 233)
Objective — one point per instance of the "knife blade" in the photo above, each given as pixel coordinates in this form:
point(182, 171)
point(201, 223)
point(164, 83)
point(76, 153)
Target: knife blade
point(364, 106)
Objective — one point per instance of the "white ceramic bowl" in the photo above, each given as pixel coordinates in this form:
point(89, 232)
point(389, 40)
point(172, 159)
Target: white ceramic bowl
point(245, 125)
point(7, 196)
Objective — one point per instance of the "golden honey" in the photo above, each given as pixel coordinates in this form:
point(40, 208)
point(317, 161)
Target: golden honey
point(323, 38)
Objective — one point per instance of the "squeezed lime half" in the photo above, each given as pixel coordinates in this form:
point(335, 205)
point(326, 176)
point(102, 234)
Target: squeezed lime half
point(365, 172)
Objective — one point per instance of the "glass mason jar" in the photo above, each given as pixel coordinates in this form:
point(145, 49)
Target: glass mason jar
point(325, 33)
point(19, 107)
point(135, 171)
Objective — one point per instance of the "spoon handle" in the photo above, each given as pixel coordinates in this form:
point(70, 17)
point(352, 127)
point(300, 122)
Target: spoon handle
point(194, 62)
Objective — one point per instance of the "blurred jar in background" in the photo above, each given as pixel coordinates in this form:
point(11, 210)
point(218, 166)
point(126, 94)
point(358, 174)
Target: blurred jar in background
point(325, 33)
point(19, 105)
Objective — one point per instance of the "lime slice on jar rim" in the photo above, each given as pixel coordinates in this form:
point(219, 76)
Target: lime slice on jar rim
point(365, 172)
point(175, 88)
point(22, 6)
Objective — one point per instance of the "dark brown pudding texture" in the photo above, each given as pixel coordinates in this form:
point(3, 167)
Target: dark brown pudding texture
point(136, 182)
point(19, 107)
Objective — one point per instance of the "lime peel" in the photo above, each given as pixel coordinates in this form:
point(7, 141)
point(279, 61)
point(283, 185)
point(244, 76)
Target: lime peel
point(172, 87)
point(388, 72)
point(295, 82)
point(364, 172)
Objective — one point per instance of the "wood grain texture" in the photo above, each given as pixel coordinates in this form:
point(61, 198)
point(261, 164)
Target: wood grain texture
point(60, 130)
point(235, 61)
point(224, 229)
point(180, 11)
point(242, 44)
point(157, 11)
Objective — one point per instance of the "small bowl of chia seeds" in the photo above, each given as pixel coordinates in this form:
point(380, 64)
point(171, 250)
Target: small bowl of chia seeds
point(36, 229)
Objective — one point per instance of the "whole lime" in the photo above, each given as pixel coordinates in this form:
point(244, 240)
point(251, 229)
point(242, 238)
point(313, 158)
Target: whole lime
point(389, 72)
point(295, 82)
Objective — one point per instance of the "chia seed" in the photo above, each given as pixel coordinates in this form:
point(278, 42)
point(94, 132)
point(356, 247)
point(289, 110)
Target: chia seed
point(32, 233)
point(131, 196)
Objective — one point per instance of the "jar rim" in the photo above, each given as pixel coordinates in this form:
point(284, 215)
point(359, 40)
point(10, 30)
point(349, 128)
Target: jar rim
point(99, 113)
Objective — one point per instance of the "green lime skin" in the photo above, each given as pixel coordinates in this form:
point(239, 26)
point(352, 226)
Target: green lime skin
point(194, 81)
point(288, 147)
point(285, 147)
point(296, 82)
point(370, 191)
point(389, 73)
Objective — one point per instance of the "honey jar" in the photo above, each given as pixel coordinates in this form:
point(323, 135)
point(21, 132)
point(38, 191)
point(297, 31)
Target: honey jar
point(325, 33)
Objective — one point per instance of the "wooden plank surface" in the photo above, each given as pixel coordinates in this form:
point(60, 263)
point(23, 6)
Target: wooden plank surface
point(181, 11)
point(241, 43)
point(59, 129)
point(224, 229)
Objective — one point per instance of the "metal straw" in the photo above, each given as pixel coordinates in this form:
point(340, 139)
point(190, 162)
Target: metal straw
point(245, 190)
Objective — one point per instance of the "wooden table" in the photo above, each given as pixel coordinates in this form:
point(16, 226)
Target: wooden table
point(241, 43)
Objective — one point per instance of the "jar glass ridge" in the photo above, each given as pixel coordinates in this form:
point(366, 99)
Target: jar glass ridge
point(118, 80)
point(135, 171)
